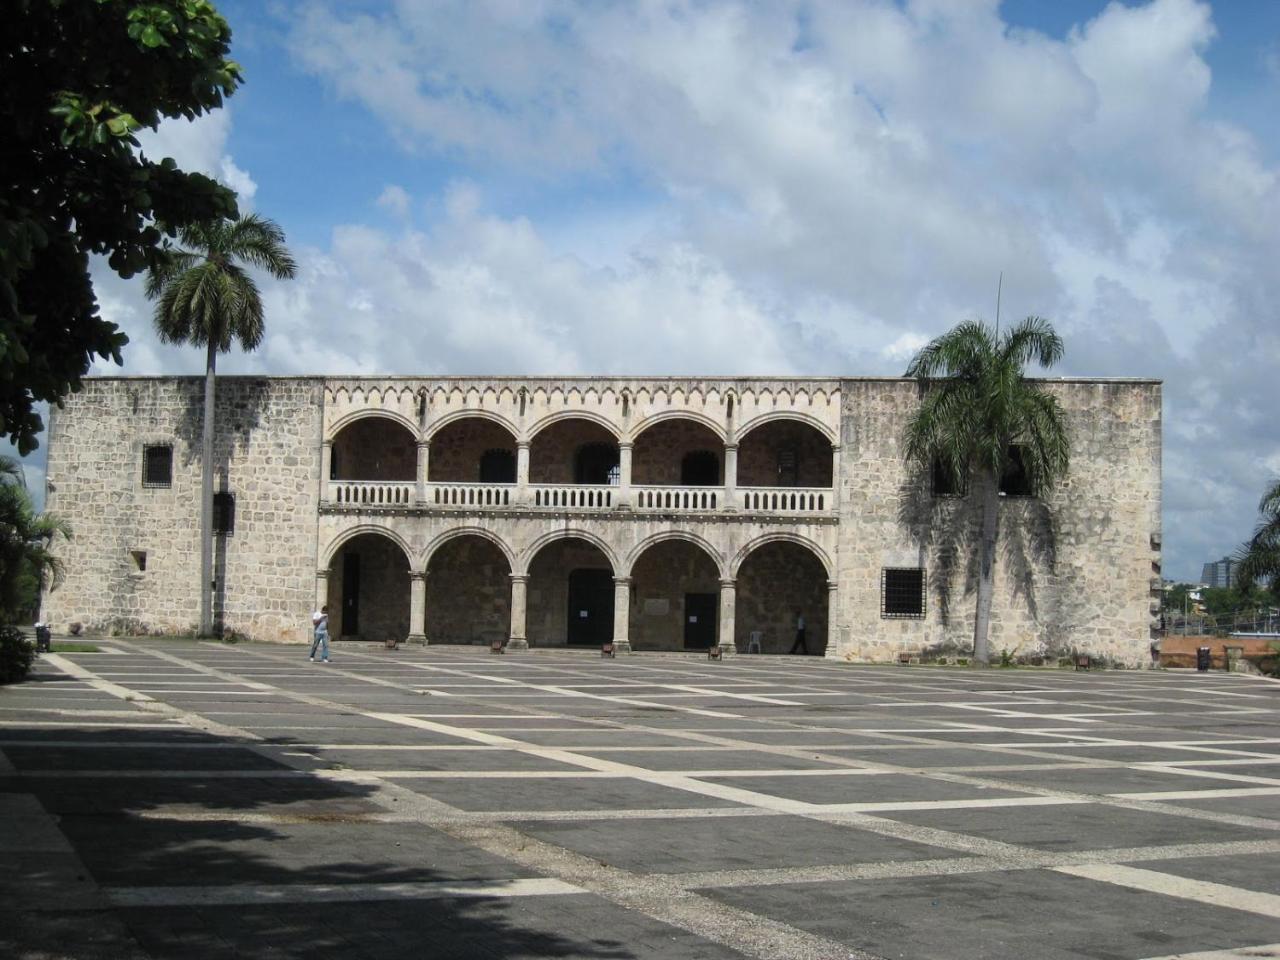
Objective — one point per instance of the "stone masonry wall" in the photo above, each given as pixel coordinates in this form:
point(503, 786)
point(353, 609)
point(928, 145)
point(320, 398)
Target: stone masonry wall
point(553, 451)
point(1072, 572)
point(468, 592)
point(548, 597)
point(758, 455)
point(773, 583)
point(457, 448)
point(375, 449)
point(383, 602)
point(660, 450)
point(266, 455)
point(660, 579)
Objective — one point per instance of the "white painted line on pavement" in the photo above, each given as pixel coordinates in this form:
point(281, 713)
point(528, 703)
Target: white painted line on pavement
point(256, 895)
point(1202, 891)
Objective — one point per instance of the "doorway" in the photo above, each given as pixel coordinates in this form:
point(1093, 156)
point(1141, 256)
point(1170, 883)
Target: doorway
point(700, 620)
point(351, 594)
point(590, 617)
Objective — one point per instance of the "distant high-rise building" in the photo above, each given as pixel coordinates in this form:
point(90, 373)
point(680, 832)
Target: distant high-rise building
point(1220, 573)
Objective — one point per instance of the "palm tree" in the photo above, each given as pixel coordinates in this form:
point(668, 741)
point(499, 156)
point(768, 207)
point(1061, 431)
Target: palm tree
point(26, 538)
point(979, 419)
point(1260, 556)
point(206, 297)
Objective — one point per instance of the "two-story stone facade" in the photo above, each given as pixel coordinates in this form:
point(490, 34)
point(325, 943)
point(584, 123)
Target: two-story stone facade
point(655, 513)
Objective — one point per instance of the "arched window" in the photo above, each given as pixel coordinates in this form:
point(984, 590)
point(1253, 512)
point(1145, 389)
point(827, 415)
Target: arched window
point(498, 466)
point(597, 463)
point(700, 468)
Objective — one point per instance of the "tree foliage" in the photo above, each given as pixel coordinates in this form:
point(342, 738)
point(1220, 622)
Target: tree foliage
point(77, 79)
point(205, 296)
point(26, 539)
point(1260, 555)
point(979, 417)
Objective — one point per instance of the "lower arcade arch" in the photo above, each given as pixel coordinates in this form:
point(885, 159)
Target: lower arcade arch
point(675, 597)
point(468, 592)
point(779, 582)
point(570, 595)
point(368, 589)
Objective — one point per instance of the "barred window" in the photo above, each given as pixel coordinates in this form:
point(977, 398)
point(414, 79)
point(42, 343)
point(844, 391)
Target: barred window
point(1016, 482)
point(224, 513)
point(157, 466)
point(944, 484)
point(902, 593)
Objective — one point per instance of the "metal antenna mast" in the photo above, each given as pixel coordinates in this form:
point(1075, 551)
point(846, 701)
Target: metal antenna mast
point(999, 289)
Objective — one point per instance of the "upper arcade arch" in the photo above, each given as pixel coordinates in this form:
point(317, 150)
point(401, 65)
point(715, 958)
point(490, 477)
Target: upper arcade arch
point(530, 553)
point(449, 419)
point(780, 536)
point(434, 546)
point(374, 447)
point(561, 415)
point(338, 542)
point(667, 535)
point(639, 428)
point(775, 415)
point(473, 450)
point(786, 450)
point(372, 413)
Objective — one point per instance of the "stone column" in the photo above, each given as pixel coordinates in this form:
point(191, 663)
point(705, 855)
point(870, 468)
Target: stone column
point(326, 467)
point(417, 607)
point(728, 612)
point(624, 475)
point(833, 614)
point(731, 476)
point(424, 465)
point(835, 478)
point(522, 471)
point(322, 588)
point(621, 614)
point(519, 585)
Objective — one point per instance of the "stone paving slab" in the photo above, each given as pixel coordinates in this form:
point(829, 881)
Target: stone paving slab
point(590, 794)
point(692, 844)
point(865, 788)
point(128, 851)
point(1086, 826)
point(281, 829)
point(579, 926)
point(1009, 916)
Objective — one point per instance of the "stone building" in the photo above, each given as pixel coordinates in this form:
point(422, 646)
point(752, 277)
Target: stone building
point(656, 513)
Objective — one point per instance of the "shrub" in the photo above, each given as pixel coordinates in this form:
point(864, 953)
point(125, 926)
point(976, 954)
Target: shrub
point(16, 654)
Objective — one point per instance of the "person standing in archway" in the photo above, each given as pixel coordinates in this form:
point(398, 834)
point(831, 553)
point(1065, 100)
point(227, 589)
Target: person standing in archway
point(800, 646)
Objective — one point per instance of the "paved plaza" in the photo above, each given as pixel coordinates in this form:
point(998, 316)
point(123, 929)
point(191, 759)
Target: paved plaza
point(194, 800)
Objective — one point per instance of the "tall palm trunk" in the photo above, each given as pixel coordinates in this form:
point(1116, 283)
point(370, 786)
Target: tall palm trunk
point(986, 568)
point(206, 495)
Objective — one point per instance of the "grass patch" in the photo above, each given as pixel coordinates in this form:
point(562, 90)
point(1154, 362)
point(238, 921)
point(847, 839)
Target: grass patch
point(73, 647)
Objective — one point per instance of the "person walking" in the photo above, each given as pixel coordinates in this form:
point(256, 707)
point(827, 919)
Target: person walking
point(800, 646)
point(320, 622)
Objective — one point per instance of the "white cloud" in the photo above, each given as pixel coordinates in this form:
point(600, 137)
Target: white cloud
point(395, 200)
point(200, 146)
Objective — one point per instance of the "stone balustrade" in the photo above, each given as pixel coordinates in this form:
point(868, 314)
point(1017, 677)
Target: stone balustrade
point(678, 499)
point(372, 493)
point(572, 495)
point(470, 494)
point(786, 500)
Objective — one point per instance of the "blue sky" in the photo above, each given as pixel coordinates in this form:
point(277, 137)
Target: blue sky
point(818, 187)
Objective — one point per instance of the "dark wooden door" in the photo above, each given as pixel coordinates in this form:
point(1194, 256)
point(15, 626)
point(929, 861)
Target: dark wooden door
point(351, 594)
point(700, 620)
point(590, 607)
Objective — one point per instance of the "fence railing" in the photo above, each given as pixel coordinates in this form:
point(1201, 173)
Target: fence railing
point(572, 495)
point(678, 499)
point(372, 493)
point(785, 499)
point(471, 494)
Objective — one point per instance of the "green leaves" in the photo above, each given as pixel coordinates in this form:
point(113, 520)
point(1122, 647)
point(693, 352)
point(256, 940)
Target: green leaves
point(81, 77)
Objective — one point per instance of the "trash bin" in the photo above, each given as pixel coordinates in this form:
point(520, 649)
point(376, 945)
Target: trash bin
point(1202, 659)
point(43, 637)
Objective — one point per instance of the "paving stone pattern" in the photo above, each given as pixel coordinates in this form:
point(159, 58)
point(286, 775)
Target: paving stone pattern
point(172, 798)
